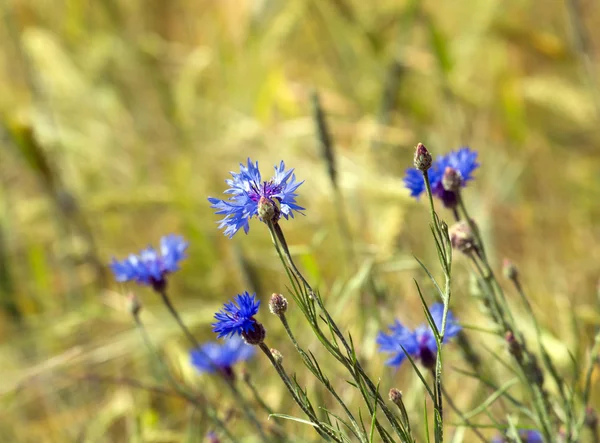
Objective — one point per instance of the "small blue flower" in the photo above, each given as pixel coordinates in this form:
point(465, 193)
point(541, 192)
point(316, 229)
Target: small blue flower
point(525, 436)
point(246, 190)
point(463, 160)
point(150, 267)
point(420, 343)
point(237, 317)
point(213, 356)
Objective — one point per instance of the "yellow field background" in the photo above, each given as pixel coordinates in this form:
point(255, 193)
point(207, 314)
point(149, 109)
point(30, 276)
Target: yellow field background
point(119, 117)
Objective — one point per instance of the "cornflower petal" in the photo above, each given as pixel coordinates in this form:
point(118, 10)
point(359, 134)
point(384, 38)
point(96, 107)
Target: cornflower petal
point(237, 316)
point(420, 343)
point(214, 356)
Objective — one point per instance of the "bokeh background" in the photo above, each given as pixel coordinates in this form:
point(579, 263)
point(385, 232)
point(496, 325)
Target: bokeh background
point(119, 117)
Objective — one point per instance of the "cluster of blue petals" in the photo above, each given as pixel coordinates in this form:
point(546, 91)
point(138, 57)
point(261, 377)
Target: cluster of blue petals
point(247, 188)
point(149, 266)
point(213, 356)
point(525, 436)
point(463, 160)
point(420, 343)
point(237, 316)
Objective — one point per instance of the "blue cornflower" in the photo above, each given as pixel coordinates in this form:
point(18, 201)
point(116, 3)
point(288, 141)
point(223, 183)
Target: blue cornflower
point(525, 436)
point(247, 190)
point(150, 267)
point(463, 160)
point(237, 317)
point(213, 356)
point(420, 343)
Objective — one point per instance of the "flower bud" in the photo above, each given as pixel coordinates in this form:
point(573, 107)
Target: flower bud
point(211, 437)
point(591, 418)
point(395, 396)
point(278, 356)
point(134, 306)
point(509, 270)
point(255, 337)
point(451, 180)
point(514, 347)
point(268, 210)
point(246, 375)
point(461, 237)
point(423, 158)
point(278, 304)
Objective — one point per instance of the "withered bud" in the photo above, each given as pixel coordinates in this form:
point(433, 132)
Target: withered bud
point(246, 375)
point(395, 396)
point(509, 270)
point(513, 345)
point(134, 305)
point(278, 304)
point(451, 180)
point(257, 336)
point(423, 158)
point(461, 237)
point(278, 356)
point(591, 418)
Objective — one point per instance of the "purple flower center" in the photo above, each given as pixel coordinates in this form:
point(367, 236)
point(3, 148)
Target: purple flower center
point(425, 353)
point(267, 189)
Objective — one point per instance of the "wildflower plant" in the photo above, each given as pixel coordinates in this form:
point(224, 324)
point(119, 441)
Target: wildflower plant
point(240, 331)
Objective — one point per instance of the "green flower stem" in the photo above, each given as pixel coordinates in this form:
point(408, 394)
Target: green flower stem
point(166, 373)
point(167, 301)
point(465, 420)
point(318, 374)
point(351, 363)
point(323, 432)
point(248, 411)
point(498, 299)
point(445, 255)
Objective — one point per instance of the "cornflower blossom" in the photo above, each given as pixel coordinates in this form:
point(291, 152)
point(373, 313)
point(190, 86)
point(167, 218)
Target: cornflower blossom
point(420, 343)
point(214, 356)
point(237, 317)
point(250, 196)
point(525, 436)
point(463, 161)
point(150, 267)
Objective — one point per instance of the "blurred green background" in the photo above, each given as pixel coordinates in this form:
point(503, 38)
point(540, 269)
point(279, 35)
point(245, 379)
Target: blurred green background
point(119, 117)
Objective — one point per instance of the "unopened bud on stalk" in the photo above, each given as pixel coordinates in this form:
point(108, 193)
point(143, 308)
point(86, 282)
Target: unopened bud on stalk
point(211, 437)
point(134, 306)
point(268, 210)
point(278, 304)
point(278, 356)
point(509, 270)
point(396, 396)
point(534, 372)
point(451, 180)
point(461, 237)
point(257, 336)
point(513, 345)
point(591, 418)
point(423, 158)
point(246, 375)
